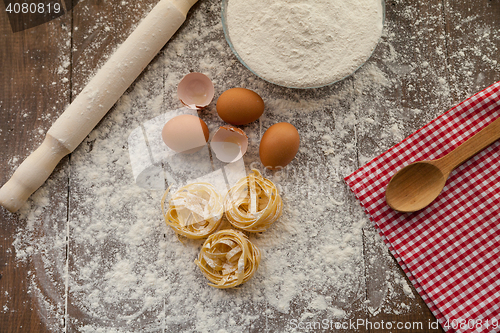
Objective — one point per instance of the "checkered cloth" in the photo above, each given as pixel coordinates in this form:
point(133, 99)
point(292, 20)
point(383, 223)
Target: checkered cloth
point(451, 249)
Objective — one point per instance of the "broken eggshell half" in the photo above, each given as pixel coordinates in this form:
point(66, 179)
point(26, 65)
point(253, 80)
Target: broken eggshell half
point(185, 134)
point(229, 144)
point(195, 91)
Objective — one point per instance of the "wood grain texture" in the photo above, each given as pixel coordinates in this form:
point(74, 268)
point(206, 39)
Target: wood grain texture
point(472, 46)
point(421, 52)
point(31, 95)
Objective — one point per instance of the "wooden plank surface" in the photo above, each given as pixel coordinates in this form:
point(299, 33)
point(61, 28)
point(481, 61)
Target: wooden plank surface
point(33, 93)
point(473, 45)
point(433, 54)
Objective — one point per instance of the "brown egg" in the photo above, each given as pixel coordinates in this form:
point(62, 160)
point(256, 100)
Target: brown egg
point(239, 106)
point(279, 145)
point(185, 133)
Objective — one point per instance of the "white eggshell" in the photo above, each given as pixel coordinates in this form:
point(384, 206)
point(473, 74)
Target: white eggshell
point(195, 90)
point(229, 144)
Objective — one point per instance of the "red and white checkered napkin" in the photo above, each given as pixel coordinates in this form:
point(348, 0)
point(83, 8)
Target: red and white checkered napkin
point(451, 249)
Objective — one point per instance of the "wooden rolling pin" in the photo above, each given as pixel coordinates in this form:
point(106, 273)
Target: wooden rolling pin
point(95, 100)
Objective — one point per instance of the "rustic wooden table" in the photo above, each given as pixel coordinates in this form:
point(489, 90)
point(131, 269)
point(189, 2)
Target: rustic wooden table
point(433, 54)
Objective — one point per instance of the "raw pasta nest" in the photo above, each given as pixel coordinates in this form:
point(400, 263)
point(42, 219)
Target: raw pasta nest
point(194, 211)
point(228, 259)
point(253, 203)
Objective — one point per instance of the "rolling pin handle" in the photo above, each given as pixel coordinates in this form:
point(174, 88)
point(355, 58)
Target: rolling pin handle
point(32, 173)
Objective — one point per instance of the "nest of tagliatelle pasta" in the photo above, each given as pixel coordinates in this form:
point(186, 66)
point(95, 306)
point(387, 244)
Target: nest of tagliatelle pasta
point(227, 258)
point(194, 211)
point(253, 204)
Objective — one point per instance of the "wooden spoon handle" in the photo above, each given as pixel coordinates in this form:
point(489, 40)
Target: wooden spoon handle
point(100, 94)
point(471, 147)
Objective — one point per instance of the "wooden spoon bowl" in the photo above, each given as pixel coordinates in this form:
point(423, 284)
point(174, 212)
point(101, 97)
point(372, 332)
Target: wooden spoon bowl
point(415, 186)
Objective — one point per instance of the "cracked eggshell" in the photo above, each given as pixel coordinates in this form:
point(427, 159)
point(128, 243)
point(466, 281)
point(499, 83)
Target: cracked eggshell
point(185, 133)
point(229, 144)
point(195, 91)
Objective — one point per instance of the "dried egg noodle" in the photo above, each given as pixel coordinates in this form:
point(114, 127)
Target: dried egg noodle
point(194, 211)
point(228, 259)
point(253, 203)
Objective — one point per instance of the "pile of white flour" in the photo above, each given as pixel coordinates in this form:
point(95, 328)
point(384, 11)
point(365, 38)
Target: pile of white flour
point(304, 43)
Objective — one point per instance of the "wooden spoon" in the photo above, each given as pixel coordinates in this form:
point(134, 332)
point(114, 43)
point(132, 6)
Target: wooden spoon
point(418, 184)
